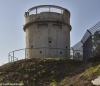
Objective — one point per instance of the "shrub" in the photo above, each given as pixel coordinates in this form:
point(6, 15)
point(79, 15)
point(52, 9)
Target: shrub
point(94, 59)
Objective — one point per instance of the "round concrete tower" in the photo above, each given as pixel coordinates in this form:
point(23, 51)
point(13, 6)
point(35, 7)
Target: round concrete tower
point(47, 30)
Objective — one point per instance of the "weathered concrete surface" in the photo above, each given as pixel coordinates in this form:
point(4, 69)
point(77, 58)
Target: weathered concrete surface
point(48, 29)
point(50, 16)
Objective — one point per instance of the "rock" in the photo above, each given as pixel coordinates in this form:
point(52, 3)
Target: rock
point(96, 82)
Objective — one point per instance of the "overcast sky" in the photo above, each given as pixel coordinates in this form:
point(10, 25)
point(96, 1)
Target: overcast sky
point(84, 14)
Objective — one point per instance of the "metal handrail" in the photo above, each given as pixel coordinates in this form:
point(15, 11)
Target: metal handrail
point(13, 57)
point(41, 6)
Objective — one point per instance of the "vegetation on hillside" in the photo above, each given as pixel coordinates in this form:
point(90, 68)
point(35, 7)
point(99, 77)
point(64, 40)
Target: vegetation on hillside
point(96, 44)
point(84, 78)
point(50, 72)
point(38, 72)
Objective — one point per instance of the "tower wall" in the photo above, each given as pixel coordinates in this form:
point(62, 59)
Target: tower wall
point(48, 34)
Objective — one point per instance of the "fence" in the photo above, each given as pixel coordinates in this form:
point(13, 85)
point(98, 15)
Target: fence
point(86, 41)
point(12, 57)
point(73, 54)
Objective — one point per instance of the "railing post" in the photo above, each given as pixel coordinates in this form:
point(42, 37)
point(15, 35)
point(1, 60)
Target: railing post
point(73, 52)
point(49, 8)
point(36, 10)
point(61, 11)
point(25, 53)
point(8, 58)
point(13, 56)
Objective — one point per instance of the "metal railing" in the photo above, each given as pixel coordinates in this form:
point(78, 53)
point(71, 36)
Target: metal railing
point(12, 58)
point(73, 54)
point(47, 8)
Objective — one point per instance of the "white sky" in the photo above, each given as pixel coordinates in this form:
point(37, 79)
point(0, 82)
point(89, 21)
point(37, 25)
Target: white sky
point(84, 14)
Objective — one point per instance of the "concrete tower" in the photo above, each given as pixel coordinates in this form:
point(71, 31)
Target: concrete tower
point(47, 32)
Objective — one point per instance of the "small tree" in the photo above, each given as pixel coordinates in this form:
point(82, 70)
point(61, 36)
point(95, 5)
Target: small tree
point(96, 43)
point(78, 56)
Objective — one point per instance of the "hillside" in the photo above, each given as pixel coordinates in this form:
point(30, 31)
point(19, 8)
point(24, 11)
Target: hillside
point(50, 72)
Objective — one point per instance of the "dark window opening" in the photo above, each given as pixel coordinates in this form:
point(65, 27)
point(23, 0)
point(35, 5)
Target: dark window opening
point(31, 46)
point(58, 26)
point(50, 42)
point(40, 51)
point(66, 46)
point(60, 52)
point(42, 26)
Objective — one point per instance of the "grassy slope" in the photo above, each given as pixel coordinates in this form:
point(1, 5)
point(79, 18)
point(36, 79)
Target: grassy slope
point(84, 78)
point(40, 72)
point(49, 72)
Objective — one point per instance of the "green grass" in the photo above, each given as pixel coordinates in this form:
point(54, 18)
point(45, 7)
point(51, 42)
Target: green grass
point(40, 72)
point(48, 72)
point(92, 70)
point(85, 78)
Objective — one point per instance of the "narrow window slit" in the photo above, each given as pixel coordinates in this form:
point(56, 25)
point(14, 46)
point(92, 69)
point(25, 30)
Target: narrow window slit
point(60, 52)
point(40, 51)
point(31, 46)
point(50, 42)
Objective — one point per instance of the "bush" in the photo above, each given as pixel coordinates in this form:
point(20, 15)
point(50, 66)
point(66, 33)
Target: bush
point(94, 59)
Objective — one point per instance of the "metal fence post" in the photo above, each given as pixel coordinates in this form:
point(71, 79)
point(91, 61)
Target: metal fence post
point(36, 10)
point(8, 58)
point(13, 56)
point(25, 53)
point(73, 54)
